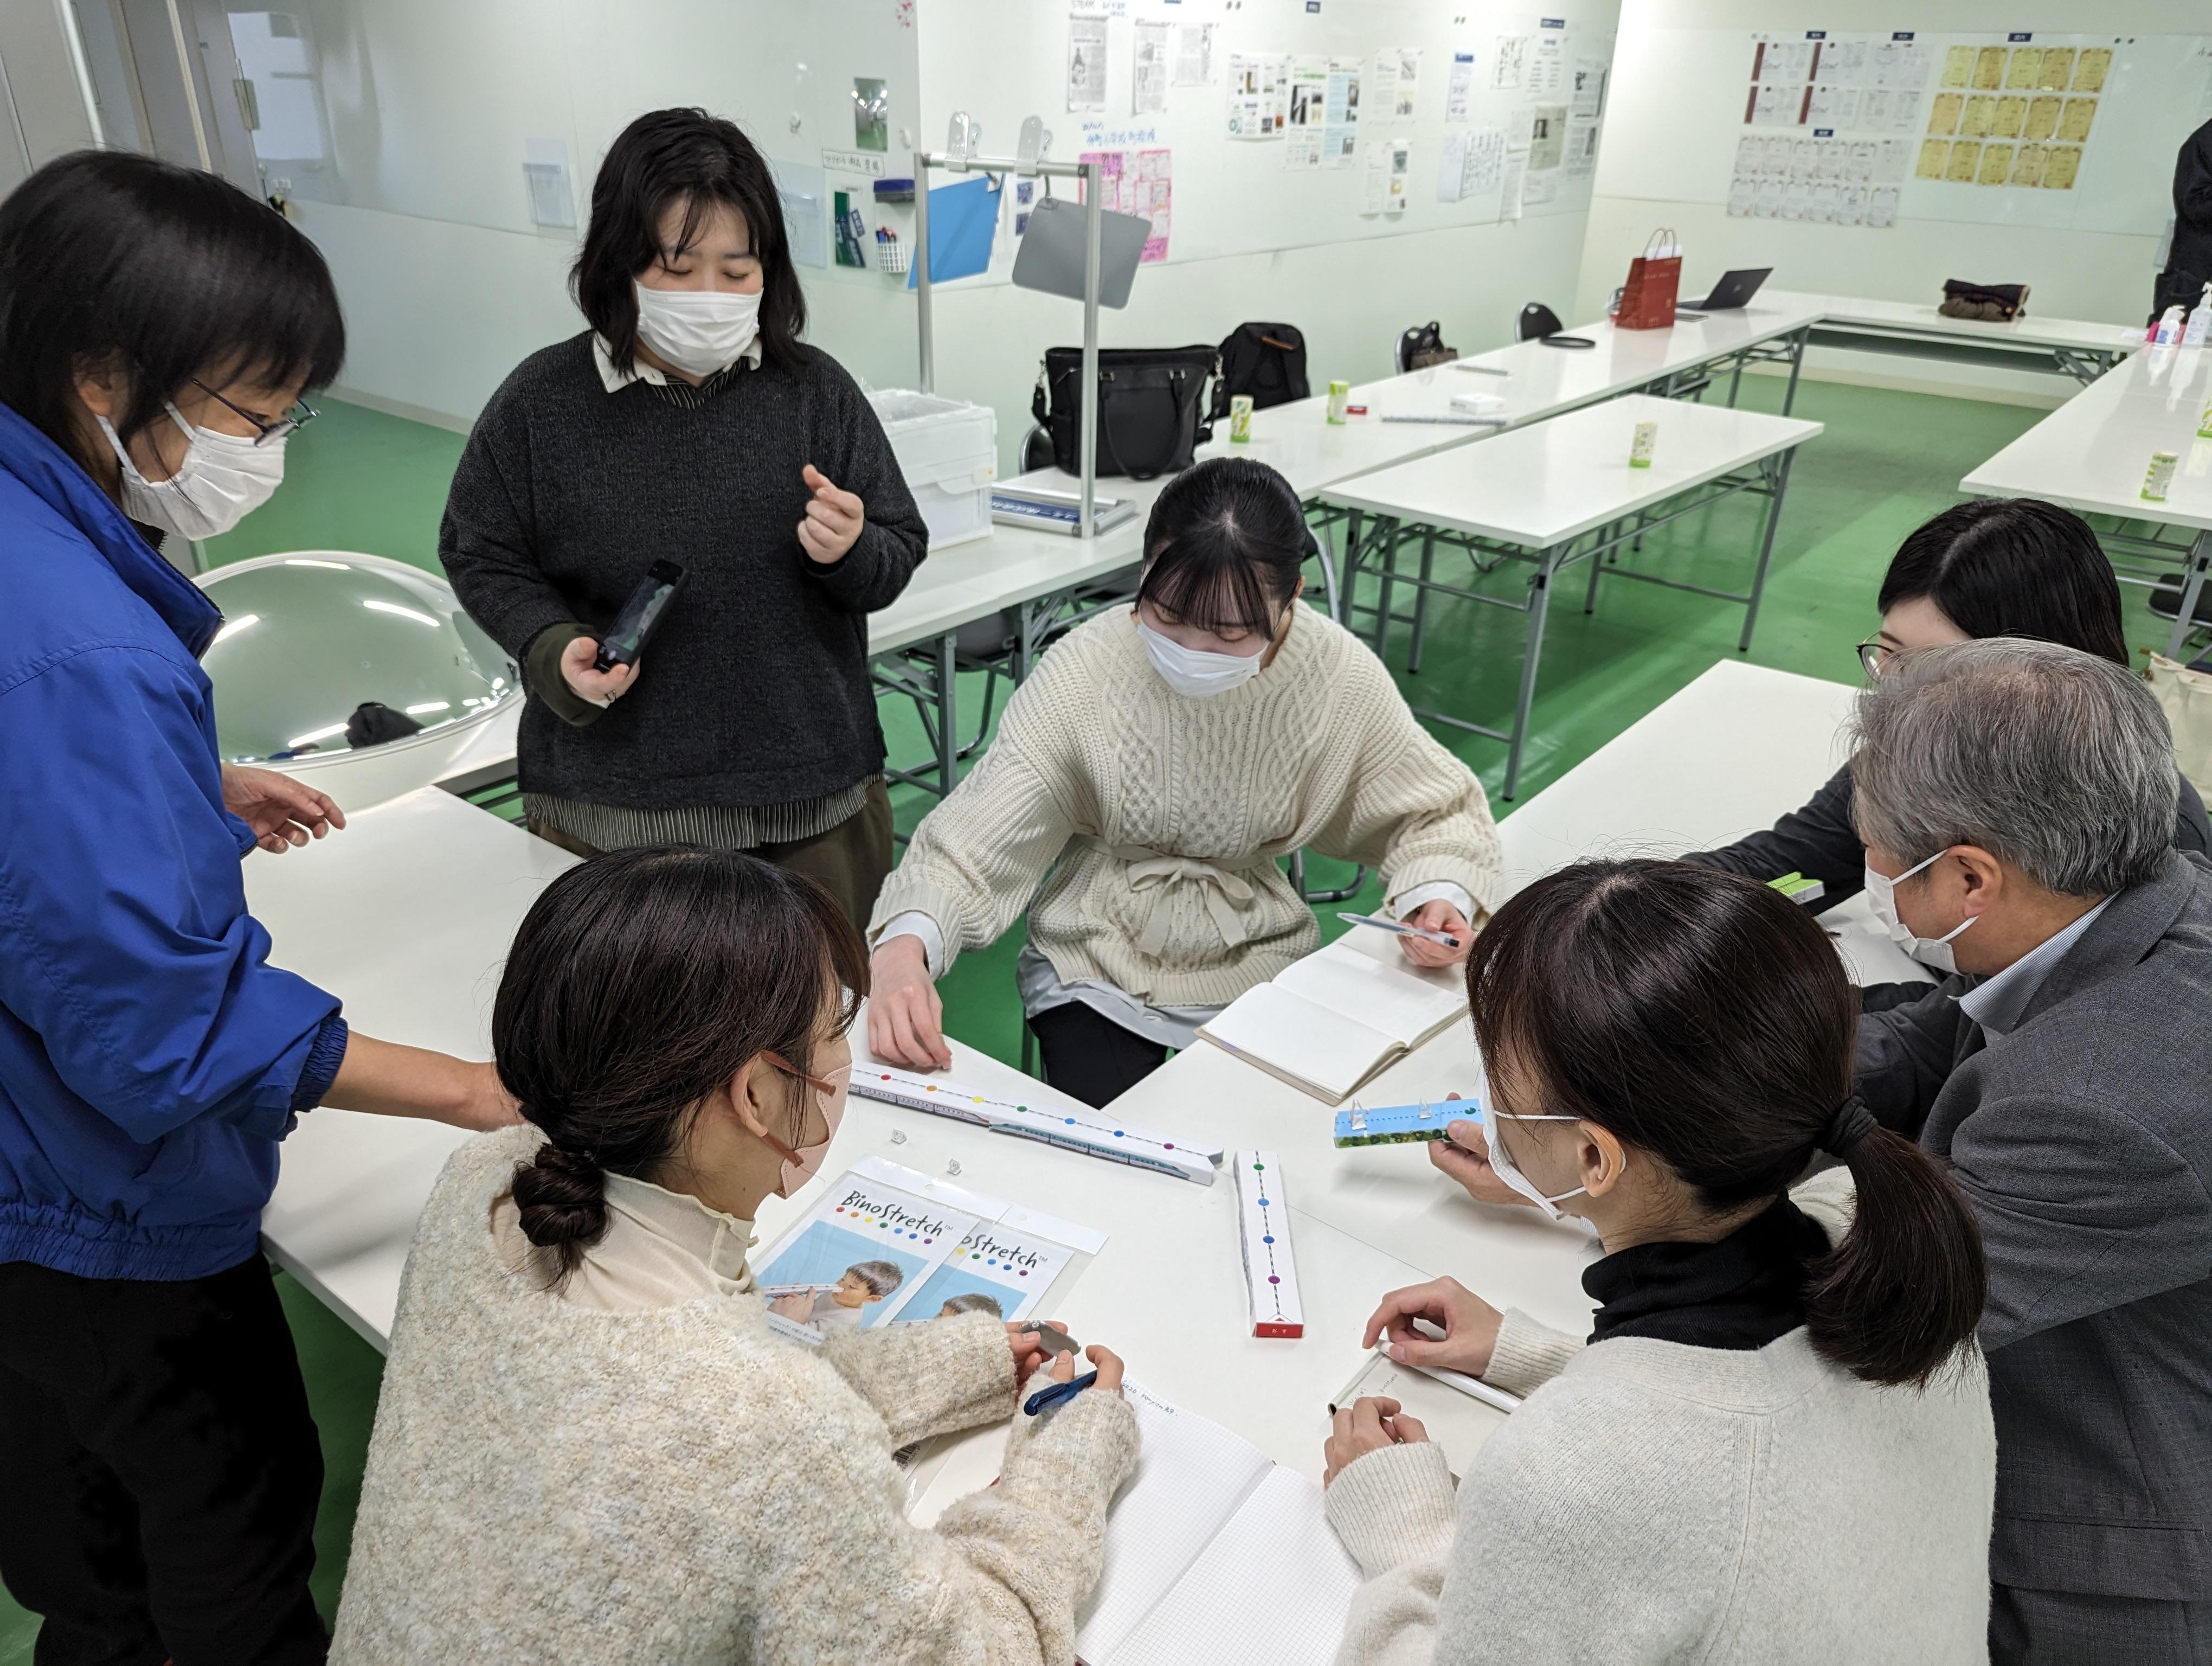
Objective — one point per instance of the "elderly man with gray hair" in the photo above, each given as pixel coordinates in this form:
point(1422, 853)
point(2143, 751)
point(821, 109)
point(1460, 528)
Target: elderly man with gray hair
point(2017, 801)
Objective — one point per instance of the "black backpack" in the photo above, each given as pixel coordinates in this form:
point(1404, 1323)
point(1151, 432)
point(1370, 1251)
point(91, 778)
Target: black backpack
point(1266, 361)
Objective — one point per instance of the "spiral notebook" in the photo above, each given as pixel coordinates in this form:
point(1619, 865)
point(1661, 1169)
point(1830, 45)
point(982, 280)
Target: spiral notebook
point(1214, 1552)
point(1330, 1022)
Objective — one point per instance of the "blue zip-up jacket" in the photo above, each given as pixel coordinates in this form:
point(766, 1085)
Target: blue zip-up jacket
point(150, 1058)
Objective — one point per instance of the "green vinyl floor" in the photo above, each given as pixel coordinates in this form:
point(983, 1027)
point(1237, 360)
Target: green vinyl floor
point(361, 481)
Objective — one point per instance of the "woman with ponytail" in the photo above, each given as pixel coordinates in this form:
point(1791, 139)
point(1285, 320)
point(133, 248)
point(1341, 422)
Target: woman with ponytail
point(1775, 1446)
point(591, 1443)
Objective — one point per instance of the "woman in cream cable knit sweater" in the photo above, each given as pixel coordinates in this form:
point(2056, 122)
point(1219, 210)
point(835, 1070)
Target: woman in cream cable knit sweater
point(592, 1445)
point(1772, 1450)
point(1149, 776)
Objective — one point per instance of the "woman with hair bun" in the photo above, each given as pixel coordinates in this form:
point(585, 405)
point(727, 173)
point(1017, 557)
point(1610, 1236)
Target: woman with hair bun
point(1145, 784)
point(591, 1443)
point(1776, 1444)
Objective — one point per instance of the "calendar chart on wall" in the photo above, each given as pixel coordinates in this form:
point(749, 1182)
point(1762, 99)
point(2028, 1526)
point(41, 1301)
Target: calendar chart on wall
point(2023, 127)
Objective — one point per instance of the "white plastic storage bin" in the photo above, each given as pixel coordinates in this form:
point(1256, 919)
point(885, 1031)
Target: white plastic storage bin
point(948, 451)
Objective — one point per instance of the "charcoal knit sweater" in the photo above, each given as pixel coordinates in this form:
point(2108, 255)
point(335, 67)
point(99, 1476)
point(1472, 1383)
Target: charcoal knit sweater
point(755, 689)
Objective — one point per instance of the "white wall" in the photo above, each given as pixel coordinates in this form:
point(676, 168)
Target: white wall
point(2103, 274)
point(420, 206)
point(1250, 240)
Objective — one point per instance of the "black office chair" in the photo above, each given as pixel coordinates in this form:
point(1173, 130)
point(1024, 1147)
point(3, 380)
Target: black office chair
point(1536, 320)
point(1037, 449)
point(1421, 346)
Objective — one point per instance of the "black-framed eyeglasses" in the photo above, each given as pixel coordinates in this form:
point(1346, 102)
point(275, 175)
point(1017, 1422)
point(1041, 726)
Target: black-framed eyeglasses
point(1873, 654)
point(299, 416)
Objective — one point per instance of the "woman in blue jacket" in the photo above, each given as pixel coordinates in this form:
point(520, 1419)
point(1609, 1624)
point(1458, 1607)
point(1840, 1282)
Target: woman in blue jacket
point(159, 1471)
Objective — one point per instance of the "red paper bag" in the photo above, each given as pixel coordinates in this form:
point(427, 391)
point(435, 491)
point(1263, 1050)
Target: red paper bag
point(1647, 301)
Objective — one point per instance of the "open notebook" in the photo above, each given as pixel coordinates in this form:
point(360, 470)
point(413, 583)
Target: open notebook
point(1338, 1017)
point(1214, 1552)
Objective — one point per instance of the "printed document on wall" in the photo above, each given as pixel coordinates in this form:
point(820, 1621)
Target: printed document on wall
point(1548, 68)
point(1390, 166)
point(1459, 92)
point(1397, 78)
point(1510, 62)
point(1194, 54)
point(1086, 61)
point(1588, 102)
point(1148, 88)
point(1259, 94)
point(1309, 108)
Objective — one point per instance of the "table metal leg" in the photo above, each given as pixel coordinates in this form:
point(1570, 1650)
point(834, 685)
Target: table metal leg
point(948, 734)
point(1796, 364)
point(1347, 572)
point(1539, 598)
point(1735, 380)
point(2200, 555)
point(1780, 477)
point(1605, 537)
point(1421, 599)
point(1389, 572)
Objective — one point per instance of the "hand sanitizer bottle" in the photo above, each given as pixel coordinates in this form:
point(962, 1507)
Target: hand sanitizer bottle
point(2200, 321)
point(2169, 327)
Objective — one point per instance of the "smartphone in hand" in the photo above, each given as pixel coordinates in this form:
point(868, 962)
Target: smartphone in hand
point(625, 639)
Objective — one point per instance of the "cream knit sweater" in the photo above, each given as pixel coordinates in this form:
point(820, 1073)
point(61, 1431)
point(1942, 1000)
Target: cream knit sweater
point(1165, 814)
point(1657, 1502)
point(551, 1483)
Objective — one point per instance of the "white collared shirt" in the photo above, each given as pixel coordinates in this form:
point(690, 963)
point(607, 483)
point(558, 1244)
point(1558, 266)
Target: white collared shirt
point(660, 1249)
point(615, 381)
point(1997, 1002)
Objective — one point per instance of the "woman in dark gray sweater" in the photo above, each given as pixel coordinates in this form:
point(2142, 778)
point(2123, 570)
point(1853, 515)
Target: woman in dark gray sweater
point(691, 425)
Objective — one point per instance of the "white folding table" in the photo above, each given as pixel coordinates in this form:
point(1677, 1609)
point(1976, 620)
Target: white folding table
point(1562, 492)
point(407, 915)
point(2092, 453)
point(2071, 347)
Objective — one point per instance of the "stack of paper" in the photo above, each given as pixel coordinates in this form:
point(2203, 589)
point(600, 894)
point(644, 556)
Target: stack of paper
point(1213, 1552)
point(1337, 1018)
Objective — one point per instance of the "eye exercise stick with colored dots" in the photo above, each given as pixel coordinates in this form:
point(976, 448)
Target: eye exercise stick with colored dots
point(1393, 1125)
point(1271, 1273)
point(1079, 1128)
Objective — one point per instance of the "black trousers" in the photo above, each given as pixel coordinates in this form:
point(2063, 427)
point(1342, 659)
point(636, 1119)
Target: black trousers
point(1092, 1058)
point(159, 1471)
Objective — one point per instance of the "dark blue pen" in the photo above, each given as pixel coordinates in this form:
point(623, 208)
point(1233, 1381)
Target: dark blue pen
point(1057, 1392)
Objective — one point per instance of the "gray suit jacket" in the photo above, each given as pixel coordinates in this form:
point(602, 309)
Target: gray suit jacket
point(2083, 1139)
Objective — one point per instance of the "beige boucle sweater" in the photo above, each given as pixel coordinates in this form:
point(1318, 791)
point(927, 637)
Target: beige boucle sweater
point(1165, 814)
point(1654, 1502)
point(551, 1483)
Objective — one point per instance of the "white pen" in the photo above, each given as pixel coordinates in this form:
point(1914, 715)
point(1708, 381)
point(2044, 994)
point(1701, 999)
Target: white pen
point(1461, 422)
point(1482, 369)
point(1400, 926)
point(1473, 1387)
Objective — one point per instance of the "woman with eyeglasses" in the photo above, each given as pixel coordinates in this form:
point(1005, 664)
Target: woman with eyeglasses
point(594, 1442)
point(161, 1469)
point(1993, 567)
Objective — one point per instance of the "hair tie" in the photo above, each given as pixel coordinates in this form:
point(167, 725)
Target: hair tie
point(1852, 1123)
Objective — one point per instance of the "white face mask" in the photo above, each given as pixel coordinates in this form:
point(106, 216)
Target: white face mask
point(223, 478)
point(1503, 1165)
point(699, 332)
point(1193, 673)
point(1881, 896)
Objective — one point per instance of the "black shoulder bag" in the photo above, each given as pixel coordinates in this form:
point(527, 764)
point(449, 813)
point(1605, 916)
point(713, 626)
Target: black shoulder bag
point(1150, 403)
